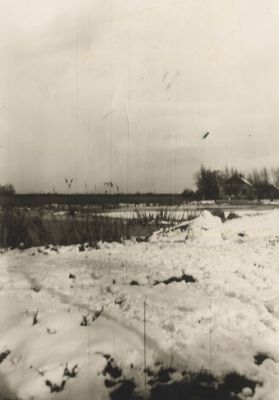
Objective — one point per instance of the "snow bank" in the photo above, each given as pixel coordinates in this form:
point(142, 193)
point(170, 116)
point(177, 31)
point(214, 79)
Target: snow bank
point(257, 226)
point(205, 229)
point(209, 230)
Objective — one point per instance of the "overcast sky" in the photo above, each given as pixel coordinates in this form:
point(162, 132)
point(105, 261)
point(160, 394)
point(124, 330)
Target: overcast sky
point(123, 91)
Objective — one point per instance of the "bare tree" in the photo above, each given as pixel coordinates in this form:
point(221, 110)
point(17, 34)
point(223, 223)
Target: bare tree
point(7, 190)
point(275, 176)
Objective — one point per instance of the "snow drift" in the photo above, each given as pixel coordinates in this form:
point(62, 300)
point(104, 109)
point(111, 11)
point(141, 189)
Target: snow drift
point(206, 228)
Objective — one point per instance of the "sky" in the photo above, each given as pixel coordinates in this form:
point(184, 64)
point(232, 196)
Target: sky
point(124, 90)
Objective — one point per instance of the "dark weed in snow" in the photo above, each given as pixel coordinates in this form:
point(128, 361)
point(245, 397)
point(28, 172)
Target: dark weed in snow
point(232, 215)
point(35, 318)
point(67, 374)
point(183, 278)
point(203, 386)
point(4, 355)
point(97, 314)
point(218, 212)
point(54, 248)
point(54, 387)
point(235, 383)
point(110, 383)
point(81, 247)
point(142, 239)
point(124, 387)
point(241, 234)
point(134, 283)
point(162, 386)
point(161, 376)
point(84, 320)
point(70, 372)
point(112, 369)
point(125, 391)
point(261, 357)
point(198, 386)
point(184, 228)
point(51, 331)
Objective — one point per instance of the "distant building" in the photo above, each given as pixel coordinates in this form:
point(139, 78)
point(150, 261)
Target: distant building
point(267, 191)
point(237, 187)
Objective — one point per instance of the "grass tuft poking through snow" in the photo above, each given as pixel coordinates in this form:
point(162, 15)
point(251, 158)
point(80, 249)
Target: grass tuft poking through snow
point(70, 372)
point(4, 355)
point(54, 387)
point(261, 357)
point(85, 320)
point(35, 318)
point(183, 278)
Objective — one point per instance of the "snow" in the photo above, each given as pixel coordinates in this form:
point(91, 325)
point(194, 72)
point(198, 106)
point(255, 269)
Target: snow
point(217, 323)
point(204, 229)
point(274, 202)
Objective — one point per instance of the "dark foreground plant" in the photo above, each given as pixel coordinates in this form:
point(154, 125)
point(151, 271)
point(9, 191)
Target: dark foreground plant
point(24, 229)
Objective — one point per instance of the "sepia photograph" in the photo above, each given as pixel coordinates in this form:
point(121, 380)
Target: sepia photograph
point(139, 200)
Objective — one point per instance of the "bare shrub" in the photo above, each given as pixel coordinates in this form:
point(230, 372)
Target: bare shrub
point(218, 212)
point(232, 215)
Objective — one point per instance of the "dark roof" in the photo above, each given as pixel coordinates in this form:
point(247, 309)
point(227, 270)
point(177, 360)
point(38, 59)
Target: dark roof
point(238, 180)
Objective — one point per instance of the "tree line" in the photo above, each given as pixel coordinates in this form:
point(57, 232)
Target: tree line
point(7, 190)
point(207, 181)
point(265, 182)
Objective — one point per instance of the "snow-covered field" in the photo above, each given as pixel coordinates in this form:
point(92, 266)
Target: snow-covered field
point(205, 293)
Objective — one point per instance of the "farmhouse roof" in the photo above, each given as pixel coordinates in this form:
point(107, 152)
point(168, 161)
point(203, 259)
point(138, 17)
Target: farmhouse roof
point(240, 179)
point(246, 181)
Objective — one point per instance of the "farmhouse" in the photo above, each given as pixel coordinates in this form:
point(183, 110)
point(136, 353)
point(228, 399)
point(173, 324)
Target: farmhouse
point(237, 187)
point(268, 191)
